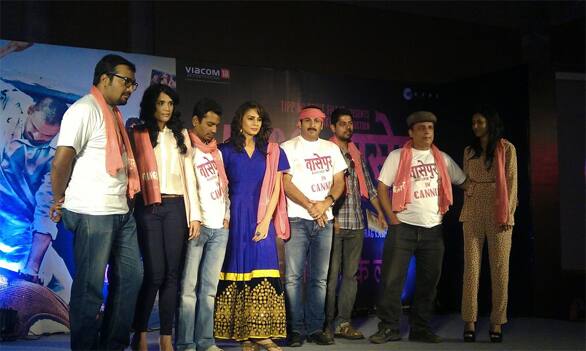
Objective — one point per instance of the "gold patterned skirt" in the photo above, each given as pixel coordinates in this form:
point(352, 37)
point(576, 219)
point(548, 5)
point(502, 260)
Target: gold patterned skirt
point(250, 309)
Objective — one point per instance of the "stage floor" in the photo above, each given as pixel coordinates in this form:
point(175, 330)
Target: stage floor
point(519, 334)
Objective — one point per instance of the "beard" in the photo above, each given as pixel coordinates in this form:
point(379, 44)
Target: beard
point(345, 137)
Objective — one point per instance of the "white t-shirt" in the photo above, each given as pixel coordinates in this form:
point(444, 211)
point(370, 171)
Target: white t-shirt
point(91, 189)
point(313, 165)
point(424, 208)
point(212, 200)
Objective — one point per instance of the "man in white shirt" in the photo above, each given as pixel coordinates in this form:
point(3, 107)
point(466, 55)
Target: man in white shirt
point(313, 183)
point(205, 252)
point(91, 183)
point(418, 203)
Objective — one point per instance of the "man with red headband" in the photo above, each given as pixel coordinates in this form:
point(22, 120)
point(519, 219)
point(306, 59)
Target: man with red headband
point(313, 184)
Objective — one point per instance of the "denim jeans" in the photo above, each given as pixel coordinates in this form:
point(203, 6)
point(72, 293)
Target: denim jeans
point(201, 274)
point(346, 252)
point(402, 242)
point(100, 240)
point(312, 244)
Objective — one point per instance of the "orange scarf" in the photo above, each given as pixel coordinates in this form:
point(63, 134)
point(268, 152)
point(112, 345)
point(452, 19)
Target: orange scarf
point(147, 167)
point(211, 148)
point(114, 142)
point(280, 218)
point(402, 184)
point(356, 157)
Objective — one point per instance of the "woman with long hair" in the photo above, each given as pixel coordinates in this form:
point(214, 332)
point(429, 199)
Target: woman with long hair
point(490, 162)
point(166, 212)
point(250, 303)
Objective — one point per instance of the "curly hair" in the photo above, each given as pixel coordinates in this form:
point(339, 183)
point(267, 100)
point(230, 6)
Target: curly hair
point(262, 138)
point(147, 114)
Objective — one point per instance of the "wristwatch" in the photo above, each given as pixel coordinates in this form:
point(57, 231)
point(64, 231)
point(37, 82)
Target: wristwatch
point(333, 200)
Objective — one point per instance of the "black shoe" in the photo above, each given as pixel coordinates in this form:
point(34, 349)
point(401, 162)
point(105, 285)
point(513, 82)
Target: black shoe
point(320, 338)
point(469, 336)
point(385, 334)
point(424, 335)
point(294, 340)
point(135, 341)
point(495, 337)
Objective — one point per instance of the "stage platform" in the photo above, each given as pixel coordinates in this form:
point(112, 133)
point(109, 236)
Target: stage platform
point(519, 334)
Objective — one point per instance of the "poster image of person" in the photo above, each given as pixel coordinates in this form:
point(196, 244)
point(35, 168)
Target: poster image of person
point(30, 125)
point(36, 280)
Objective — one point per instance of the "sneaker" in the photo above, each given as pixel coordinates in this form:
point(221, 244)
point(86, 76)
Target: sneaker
point(424, 335)
point(294, 340)
point(320, 338)
point(347, 331)
point(385, 334)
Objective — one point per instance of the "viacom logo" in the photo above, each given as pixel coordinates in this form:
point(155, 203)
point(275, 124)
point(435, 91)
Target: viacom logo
point(207, 73)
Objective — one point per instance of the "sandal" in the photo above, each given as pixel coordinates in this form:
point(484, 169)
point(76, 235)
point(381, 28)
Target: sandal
point(495, 336)
point(268, 345)
point(469, 335)
point(348, 332)
point(249, 346)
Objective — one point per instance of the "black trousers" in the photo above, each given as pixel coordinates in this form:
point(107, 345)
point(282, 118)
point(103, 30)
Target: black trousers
point(402, 242)
point(162, 236)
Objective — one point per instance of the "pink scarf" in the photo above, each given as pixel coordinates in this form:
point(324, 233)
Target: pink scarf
point(114, 143)
point(356, 157)
point(147, 167)
point(502, 193)
point(402, 185)
point(280, 218)
point(211, 148)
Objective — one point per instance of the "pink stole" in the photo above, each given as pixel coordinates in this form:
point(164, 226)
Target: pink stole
point(402, 184)
point(147, 167)
point(114, 143)
point(280, 218)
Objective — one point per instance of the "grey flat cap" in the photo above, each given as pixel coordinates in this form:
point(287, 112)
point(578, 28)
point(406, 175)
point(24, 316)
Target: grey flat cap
point(421, 116)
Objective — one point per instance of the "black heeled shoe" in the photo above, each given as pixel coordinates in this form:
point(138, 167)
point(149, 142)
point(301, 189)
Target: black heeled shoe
point(469, 335)
point(495, 336)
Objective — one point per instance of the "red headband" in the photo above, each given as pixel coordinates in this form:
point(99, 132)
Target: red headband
point(312, 112)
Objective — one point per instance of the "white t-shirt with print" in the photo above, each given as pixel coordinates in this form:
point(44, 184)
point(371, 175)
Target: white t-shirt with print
point(91, 189)
point(313, 165)
point(212, 200)
point(424, 208)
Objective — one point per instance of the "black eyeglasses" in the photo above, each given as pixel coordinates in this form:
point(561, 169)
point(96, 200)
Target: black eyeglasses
point(128, 83)
point(348, 156)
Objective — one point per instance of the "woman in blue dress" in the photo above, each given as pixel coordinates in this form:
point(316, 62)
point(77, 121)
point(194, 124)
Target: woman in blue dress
point(250, 304)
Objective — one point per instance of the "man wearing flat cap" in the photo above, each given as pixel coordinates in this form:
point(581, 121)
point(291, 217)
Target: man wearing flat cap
point(421, 178)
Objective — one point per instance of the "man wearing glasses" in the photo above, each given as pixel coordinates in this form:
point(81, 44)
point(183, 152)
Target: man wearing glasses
point(349, 224)
point(93, 177)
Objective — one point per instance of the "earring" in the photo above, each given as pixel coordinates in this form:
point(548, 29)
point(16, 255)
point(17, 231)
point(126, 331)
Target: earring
point(240, 130)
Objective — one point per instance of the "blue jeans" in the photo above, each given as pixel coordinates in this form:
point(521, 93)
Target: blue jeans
point(98, 241)
point(312, 244)
point(201, 274)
